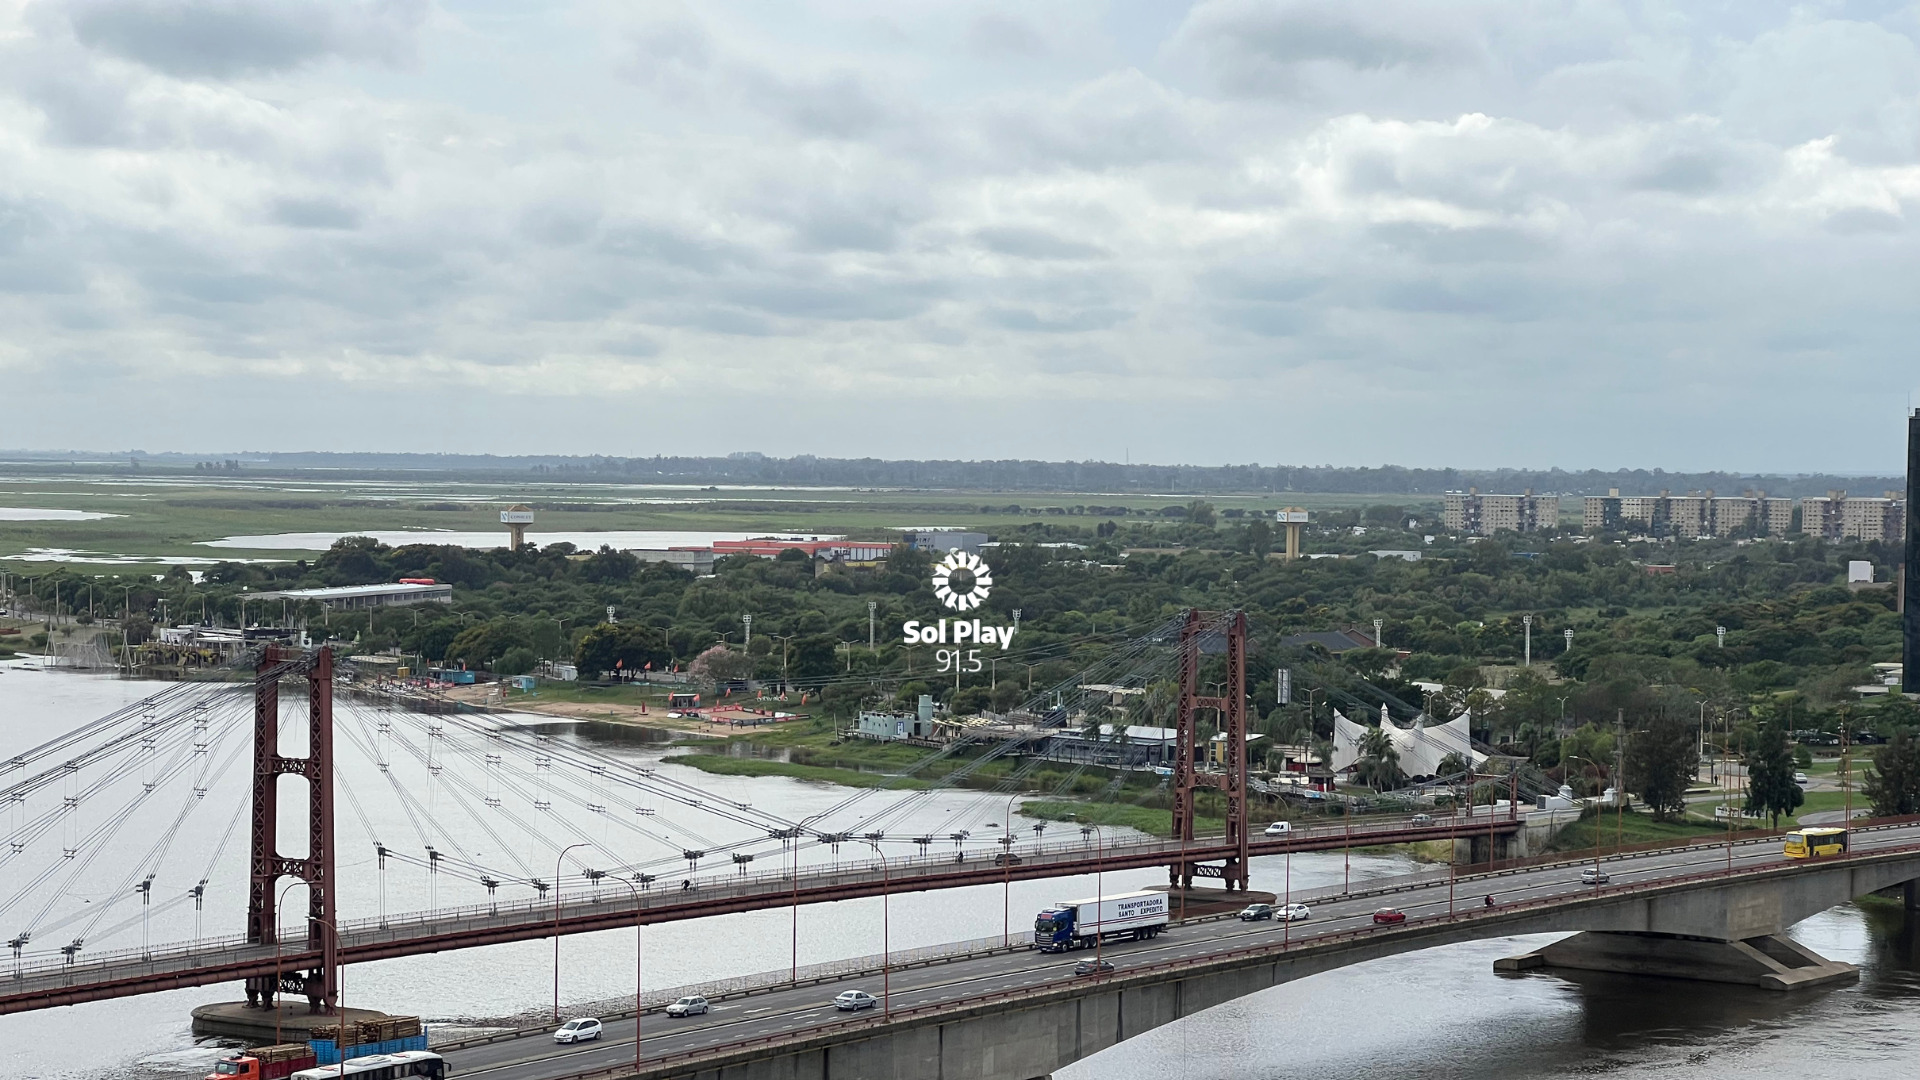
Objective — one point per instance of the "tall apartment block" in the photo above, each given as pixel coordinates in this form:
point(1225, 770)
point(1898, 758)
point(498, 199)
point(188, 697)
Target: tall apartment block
point(1484, 515)
point(1857, 517)
point(1687, 516)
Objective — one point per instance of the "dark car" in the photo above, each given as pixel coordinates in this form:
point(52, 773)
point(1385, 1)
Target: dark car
point(1256, 911)
point(1006, 858)
point(1389, 915)
point(1092, 967)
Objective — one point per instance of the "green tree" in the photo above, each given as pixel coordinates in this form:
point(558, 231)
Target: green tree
point(517, 660)
point(1770, 786)
point(1660, 763)
point(1200, 512)
point(1379, 764)
point(1893, 783)
point(483, 643)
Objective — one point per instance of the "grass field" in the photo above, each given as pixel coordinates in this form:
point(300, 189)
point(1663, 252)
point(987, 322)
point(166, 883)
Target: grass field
point(170, 516)
point(1629, 829)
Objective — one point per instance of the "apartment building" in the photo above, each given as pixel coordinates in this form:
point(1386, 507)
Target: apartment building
point(1688, 516)
point(1883, 518)
point(1485, 515)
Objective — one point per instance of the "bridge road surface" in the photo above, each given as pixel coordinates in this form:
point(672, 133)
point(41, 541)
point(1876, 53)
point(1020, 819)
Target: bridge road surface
point(537, 1057)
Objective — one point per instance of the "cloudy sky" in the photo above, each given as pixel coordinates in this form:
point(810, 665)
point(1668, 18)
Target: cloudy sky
point(1358, 231)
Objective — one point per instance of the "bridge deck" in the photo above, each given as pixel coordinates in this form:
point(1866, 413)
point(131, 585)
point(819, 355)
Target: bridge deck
point(50, 982)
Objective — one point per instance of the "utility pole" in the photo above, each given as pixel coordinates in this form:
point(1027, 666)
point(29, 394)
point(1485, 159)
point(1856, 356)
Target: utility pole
point(873, 606)
point(1527, 622)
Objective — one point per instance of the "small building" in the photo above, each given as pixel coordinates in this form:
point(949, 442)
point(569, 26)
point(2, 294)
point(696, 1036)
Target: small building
point(1134, 744)
point(942, 541)
point(897, 725)
point(351, 597)
point(1217, 748)
point(696, 560)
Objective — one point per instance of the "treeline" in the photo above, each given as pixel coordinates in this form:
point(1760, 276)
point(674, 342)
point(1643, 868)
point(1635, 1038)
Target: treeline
point(752, 469)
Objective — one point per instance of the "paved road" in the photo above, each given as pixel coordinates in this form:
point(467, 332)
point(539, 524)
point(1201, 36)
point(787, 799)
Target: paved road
point(537, 1058)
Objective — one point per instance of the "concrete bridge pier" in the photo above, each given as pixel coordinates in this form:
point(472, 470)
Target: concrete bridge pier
point(1770, 961)
point(1910, 892)
point(1475, 847)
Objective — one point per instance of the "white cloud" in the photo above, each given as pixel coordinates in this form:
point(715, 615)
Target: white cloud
point(1438, 219)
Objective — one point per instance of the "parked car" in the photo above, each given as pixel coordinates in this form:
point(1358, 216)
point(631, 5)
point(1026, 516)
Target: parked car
point(689, 1006)
point(580, 1030)
point(1295, 912)
point(1389, 915)
point(1421, 819)
point(1280, 828)
point(1254, 912)
point(1801, 779)
point(854, 1000)
point(1593, 875)
point(1092, 967)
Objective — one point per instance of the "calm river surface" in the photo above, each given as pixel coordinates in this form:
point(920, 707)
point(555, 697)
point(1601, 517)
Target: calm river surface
point(1440, 1014)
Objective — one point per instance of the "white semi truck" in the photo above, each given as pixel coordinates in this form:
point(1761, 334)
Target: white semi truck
point(1078, 923)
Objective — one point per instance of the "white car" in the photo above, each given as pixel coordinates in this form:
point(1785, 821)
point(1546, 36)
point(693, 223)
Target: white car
point(1295, 912)
point(578, 1030)
point(1593, 875)
point(688, 1006)
point(1801, 779)
point(854, 1000)
point(1280, 828)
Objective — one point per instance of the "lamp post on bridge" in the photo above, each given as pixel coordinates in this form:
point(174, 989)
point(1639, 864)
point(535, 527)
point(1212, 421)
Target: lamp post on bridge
point(558, 859)
point(639, 1006)
point(886, 932)
point(1596, 820)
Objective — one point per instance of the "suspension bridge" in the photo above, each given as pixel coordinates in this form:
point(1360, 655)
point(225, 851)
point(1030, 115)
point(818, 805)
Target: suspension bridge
point(270, 832)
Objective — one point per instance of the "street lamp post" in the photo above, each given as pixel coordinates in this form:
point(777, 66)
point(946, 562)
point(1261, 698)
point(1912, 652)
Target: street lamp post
point(557, 860)
point(886, 932)
point(1006, 870)
point(639, 1007)
point(1526, 621)
point(1596, 820)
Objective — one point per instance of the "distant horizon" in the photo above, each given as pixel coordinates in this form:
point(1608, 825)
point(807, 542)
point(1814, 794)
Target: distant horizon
point(756, 469)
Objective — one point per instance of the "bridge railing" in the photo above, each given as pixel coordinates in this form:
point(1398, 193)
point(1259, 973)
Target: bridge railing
point(1158, 969)
point(612, 898)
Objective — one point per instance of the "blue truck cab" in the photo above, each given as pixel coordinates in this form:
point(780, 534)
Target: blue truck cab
point(1053, 929)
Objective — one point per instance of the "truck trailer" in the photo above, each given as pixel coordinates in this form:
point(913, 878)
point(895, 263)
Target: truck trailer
point(1079, 923)
point(265, 1063)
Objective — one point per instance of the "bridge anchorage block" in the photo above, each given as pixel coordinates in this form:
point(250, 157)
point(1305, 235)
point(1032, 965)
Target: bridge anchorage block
point(1771, 962)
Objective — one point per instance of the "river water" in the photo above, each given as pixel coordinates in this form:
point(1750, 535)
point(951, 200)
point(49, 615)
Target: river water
point(1441, 1013)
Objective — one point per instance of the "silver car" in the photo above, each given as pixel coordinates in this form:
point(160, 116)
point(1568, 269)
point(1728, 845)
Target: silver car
point(855, 1000)
point(693, 1005)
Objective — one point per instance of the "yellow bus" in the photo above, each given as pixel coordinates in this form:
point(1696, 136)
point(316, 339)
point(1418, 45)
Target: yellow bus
point(1807, 843)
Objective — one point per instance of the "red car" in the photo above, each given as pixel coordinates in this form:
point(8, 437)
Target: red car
point(1389, 915)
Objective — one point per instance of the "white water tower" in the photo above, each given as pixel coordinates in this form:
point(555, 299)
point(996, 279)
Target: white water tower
point(516, 519)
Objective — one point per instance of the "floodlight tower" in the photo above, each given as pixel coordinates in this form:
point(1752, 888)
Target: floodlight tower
point(1292, 517)
point(516, 518)
point(1910, 573)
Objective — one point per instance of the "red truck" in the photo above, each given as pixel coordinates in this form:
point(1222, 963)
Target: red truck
point(264, 1063)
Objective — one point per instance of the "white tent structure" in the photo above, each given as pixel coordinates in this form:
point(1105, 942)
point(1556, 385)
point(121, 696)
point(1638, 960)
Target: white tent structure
point(1421, 747)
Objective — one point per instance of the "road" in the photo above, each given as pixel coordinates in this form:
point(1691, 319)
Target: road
point(535, 1057)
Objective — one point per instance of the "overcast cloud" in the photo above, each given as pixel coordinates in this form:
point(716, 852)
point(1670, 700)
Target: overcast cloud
point(1472, 233)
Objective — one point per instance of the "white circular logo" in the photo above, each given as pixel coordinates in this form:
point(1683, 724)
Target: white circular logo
point(943, 572)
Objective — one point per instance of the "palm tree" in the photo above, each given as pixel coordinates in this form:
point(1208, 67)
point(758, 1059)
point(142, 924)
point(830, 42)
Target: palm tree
point(1379, 765)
